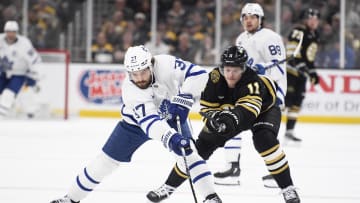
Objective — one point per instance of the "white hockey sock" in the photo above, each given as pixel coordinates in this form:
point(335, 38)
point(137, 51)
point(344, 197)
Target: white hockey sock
point(232, 149)
point(91, 176)
point(7, 99)
point(201, 176)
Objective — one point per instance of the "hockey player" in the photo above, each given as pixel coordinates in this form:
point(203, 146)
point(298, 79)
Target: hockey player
point(302, 67)
point(237, 99)
point(264, 47)
point(18, 60)
point(298, 70)
point(157, 90)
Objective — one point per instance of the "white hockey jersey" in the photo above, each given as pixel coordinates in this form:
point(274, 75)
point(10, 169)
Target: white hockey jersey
point(18, 58)
point(144, 107)
point(264, 47)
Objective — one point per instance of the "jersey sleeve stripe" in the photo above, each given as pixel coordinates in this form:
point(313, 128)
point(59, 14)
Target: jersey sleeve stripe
point(256, 108)
point(252, 101)
point(152, 116)
point(272, 89)
point(127, 115)
point(252, 110)
point(190, 74)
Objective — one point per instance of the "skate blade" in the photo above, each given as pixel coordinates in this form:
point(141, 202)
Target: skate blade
point(230, 181)
point(270, 183)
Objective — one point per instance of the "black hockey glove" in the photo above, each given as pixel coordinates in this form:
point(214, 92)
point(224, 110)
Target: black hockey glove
point(314, 78)
point(211, 122)
point(228, 121)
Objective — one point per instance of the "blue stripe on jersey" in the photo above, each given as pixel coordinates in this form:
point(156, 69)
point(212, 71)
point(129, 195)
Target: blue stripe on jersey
point(150, 124)
point(90, 178)
point(189, 73)
point(128, 115)
point(81, 186)
point(148, 118)
point(281, 70)
point(280, 90)
point(201, 176)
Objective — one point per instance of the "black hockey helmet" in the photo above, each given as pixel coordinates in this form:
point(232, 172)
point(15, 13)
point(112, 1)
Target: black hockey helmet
point(309, 12)
point(234, 56)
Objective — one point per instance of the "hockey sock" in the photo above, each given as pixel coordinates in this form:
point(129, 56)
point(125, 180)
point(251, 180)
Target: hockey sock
point(290, 124)
point(91, 176)
point(292, 117)
point(176, 177)
point(200, 173)
point(277, 165)
point(7, 99)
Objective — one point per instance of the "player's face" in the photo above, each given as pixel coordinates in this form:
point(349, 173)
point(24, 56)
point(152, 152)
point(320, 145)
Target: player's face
point(141, 78)
point(312, 22)
point(232, 75)
point(10, 36)
point(250, 22)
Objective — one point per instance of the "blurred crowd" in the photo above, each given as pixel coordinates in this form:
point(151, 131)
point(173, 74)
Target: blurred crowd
point(185, 28)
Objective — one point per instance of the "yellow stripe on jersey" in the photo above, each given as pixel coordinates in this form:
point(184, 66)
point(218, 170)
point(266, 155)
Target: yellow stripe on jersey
point(251, 109)
point(252, 101)
point(269, 84)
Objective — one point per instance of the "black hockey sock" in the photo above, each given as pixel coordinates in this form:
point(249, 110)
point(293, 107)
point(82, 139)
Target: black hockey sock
point(283, 179)
point(290, 124)
point(176, 177)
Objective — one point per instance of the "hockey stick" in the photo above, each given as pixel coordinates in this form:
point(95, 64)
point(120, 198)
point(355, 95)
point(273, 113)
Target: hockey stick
point(296, 52)
point(185, 161)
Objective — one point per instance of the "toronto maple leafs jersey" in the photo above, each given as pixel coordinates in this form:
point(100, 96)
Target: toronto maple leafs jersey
point(146, 108)
point(18, 58)
point(264, 47)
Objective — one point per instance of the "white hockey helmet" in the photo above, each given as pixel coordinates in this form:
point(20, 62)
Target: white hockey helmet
point(137, 58)
point(252, 9)
point(11, 26)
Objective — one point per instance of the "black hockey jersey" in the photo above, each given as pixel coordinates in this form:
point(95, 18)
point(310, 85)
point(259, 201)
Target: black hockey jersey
point(305, 59)
point(252, 95)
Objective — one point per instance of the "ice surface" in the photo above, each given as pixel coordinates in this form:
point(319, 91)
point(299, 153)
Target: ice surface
point(40, 159)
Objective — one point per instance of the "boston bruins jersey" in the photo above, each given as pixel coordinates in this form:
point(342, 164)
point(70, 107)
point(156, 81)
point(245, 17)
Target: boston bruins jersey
point(251, 96)
point(305, 59)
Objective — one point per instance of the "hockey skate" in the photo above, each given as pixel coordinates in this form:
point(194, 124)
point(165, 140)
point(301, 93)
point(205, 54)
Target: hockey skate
point(212, 198)
point(230, 176)
point(269, 181)
point(289, 135)
point(290, 195)
point(160, 194)
point(65, 199)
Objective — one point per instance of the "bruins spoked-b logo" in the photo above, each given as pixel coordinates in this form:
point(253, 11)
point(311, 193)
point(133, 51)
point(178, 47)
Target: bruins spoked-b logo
point(215, 76)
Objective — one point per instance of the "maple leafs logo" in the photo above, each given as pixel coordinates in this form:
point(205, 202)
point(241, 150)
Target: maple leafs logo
point(5, 64)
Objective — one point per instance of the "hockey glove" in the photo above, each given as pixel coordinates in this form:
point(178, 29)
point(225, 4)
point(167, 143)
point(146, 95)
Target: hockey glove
point(212, 121)
point(229, 122)
point(180, 105)
point(259, 69)
point(314, 78)
point(176, 142)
